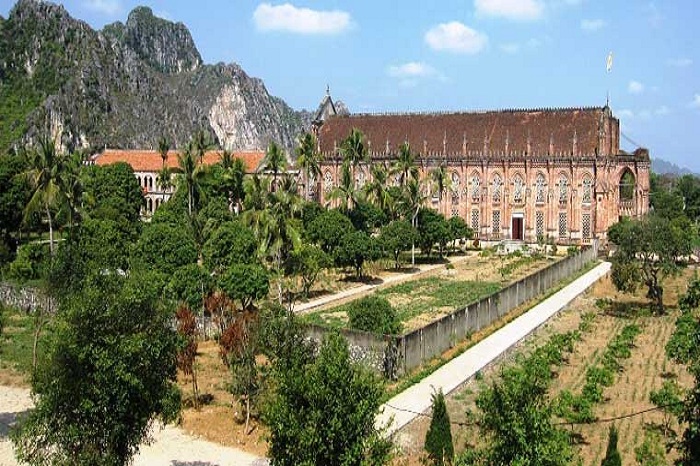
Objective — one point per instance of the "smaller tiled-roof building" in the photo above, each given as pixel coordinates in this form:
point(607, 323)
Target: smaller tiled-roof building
point(148, 163)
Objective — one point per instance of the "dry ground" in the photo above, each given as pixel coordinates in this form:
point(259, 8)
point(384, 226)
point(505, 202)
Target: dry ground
point(644, 372)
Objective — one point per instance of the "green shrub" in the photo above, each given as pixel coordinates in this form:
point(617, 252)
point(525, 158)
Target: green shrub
point(30, 262)
point(374, 314)
point(438, 440)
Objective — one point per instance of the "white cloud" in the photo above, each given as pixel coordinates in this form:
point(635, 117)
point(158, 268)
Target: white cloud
point(510, 48)
point(680, 62)
point(592, 25)
point(625, 113)
point(662, 111)
point(163, 14)
point(455, 37)
point(411, 70)
point(288, 18)
point(635, 87)
point(517, 10)
point(696, 101)
point(108, 7)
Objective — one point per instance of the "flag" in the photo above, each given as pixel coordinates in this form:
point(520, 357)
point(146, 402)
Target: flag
point(608, 62)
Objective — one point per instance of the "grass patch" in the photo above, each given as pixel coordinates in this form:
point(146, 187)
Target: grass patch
point(425, 296)
point(17, 340)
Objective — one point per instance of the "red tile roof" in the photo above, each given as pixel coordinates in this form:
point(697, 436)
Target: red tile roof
point(150, 160)
point(548, 131)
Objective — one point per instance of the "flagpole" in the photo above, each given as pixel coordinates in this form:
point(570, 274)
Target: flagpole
point(608, 68)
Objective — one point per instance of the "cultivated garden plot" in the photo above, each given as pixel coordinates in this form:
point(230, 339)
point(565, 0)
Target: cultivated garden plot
point(423, 300)
point(645, 370)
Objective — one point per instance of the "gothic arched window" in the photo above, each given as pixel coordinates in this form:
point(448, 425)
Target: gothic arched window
point(497, 185)
point(518, 189)
point(587, 190)
point(563, 189)
point(476, 187)
point(327, 182)
point(539, 188)
point(455, 183)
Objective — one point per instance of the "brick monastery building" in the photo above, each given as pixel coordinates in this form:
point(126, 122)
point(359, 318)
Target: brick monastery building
point(512, 174)
point(148, 163)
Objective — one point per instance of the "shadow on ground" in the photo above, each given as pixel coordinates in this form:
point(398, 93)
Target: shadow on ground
point(7, 420)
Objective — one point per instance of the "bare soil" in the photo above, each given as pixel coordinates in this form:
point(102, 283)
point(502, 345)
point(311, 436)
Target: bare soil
point(644, 372)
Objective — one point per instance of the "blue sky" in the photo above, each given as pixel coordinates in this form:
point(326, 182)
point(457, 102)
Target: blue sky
point(417, 55)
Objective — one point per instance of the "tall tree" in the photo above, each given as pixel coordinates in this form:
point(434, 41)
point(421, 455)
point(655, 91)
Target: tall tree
point(376, 191)
point(274, 161)
point(354, 149)
point(309, 159)
point(438, 440)
point(345, 192)
point(190, 174)
point(200, 145)
point(322, 409)
point(411, 201)
point(232, 179)
point(612, 454)
point(109, 374)
point(438, 177)
point(405, 165)
point(648, 251)
point(163, 149)
point(44, 175)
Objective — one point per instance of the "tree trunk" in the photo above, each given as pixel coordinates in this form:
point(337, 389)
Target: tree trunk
point(48, 216)
point(247, 414)
point(195, 389)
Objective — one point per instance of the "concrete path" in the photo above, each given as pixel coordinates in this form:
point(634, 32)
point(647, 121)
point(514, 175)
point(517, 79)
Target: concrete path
point(171, 446)
point(406, 406)
point(357, 290)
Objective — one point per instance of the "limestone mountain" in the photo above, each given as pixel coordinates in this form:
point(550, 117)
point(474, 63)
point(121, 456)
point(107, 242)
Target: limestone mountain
point(126, 85)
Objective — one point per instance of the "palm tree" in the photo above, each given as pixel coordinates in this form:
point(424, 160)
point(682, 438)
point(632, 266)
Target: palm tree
point(376, 190)
point(44, 175)
point(405, 165)
point(274, 161)
point(412, 201)
point(353, 148)
point(200, 144)
point(308, 158)
point(256, 201)
point(345, 191)
point(190, 174)
point(71, 184)
point(232, 182)
point(438, 176)
point(226, 159)
point(163, 148)
point(164, 180)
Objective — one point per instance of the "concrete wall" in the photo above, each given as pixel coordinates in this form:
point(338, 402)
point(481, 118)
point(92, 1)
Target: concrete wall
point(396, 355)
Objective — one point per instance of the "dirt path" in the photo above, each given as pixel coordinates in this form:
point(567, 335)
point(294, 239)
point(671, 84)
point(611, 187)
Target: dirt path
point(171, 446)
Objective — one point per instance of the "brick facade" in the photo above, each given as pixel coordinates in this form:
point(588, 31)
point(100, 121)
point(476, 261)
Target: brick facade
point(514, 174)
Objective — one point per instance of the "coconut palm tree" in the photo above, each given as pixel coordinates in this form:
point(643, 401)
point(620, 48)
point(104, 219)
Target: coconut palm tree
point(309, 159)
point(405, 165)
point(200, 145)
point(163, 148)
point(232, 183)
point(71, 185)
point(345, 191)
point(274, 161)
point(190, 174)
point(412, 200)
point(376, 190)
point(438, 177)
point(353, 148)
point(44, 176)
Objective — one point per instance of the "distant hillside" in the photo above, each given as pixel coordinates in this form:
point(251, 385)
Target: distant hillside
point(662, 167)
point(126, 86)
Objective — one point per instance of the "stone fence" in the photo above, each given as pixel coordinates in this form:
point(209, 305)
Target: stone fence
point(395, 355)
point(26, 298)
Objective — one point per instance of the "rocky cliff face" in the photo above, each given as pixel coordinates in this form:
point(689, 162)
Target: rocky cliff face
point(126, 86)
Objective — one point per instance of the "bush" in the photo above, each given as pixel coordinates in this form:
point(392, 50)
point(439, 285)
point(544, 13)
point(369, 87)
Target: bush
point(30, 262)
point(374, 314)
point(438, 440)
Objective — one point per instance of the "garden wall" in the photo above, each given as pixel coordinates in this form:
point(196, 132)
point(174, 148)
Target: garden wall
point(396, 355)
point(27, 299)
